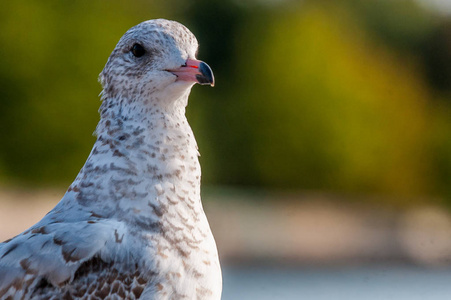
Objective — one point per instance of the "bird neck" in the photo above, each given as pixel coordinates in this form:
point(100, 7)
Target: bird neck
point(146, 165)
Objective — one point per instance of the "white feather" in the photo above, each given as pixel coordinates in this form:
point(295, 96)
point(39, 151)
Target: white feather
point(132, 223)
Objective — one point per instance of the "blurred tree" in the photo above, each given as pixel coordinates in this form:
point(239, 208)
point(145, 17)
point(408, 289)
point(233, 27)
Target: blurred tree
point(312, 95)
point(437, 57)
point(49, 95)
point(321, 106)
point(339, 111)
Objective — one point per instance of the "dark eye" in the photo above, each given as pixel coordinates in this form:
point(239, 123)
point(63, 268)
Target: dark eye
point(138, 50)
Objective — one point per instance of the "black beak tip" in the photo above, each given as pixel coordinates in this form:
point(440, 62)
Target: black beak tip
point(206, 76)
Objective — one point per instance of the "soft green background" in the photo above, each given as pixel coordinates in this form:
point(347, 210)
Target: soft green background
point(346, 97)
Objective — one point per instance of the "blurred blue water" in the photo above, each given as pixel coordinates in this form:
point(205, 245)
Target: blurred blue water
point(375, 282)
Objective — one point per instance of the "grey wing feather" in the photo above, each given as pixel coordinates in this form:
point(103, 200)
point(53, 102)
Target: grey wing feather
point(52, 252)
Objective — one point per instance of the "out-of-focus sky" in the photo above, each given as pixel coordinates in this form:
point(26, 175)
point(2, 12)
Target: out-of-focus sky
point(441, 6)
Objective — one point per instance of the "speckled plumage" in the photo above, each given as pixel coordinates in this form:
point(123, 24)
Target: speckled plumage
point(131, 225)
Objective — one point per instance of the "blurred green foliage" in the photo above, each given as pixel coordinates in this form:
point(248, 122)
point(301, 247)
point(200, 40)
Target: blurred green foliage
point(350, 97)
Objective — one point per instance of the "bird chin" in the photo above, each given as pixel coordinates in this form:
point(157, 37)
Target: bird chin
point(179, 89)
point(175, 94)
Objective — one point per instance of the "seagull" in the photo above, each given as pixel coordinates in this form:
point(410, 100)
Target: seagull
point(131, 225)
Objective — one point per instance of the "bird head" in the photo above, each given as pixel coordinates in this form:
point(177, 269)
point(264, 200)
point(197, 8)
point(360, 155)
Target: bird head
point(154, 60)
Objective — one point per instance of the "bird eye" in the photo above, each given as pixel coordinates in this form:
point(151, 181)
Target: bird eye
point(138, 50)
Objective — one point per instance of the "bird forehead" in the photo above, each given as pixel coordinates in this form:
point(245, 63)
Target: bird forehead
point(162, 32)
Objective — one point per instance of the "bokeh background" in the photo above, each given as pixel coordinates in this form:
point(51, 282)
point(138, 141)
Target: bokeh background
point(326, 142)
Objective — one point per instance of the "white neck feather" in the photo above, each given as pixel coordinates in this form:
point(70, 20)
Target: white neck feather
point(144, 157)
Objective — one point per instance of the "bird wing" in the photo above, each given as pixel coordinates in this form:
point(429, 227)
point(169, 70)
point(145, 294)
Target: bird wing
point(53, 252)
